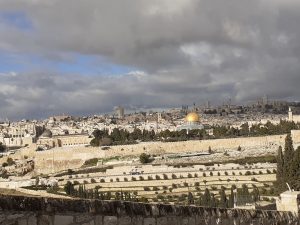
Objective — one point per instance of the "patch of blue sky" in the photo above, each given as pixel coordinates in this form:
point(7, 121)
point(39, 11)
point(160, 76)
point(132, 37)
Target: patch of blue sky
point(16, 19)
point(77, 64)
point(10, 63)
point(92, 65)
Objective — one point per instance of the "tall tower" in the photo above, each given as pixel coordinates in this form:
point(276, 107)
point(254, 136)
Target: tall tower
point(119, 111)
point(159, 118)
point(290, 114)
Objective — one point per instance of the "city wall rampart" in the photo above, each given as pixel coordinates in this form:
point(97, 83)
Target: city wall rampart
point(19, 210)
point(58, 159)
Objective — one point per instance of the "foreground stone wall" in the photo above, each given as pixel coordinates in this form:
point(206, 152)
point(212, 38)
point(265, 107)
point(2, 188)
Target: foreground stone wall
point(46, 211)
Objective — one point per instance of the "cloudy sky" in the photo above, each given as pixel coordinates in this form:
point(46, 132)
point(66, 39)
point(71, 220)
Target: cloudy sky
point(87, 56)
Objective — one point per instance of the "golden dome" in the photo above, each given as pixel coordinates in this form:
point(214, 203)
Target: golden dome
point(192, 117)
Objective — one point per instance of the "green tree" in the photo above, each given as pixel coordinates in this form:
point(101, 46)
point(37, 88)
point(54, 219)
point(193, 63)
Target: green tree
point(2, 147)
point(280, 169)
point(69, 188)
point(288, 157)
point(295, 170)
point(206, 199)
point(144, 158)
point(223, 199)
point(231, 198)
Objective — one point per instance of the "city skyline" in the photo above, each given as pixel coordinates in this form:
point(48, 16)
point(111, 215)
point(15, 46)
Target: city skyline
point(144, 54)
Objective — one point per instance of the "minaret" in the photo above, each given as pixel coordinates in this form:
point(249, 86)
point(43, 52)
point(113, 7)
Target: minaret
point(290, 114)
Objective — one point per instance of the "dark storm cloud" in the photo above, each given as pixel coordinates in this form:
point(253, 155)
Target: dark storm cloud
point(184, 51)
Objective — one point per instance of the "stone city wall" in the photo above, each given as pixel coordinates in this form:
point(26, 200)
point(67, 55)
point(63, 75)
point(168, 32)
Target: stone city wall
point(58, 159)
point(19, 210)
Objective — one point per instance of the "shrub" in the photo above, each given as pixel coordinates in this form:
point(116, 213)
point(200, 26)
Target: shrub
point(118, 179)
point(133, 178)
point(204, 174)
point(260, 172)
point(253, 179)
point(190, 175)
point(146, 189)
point(211, 174)
point(144, 158)
point(226, 173)
point(155, 189)
point(197, 184)
point(185, 184)
point(141, 178)
point(165, 176)
point(93, 180)
point(125, 179)
point(274, 171)
point(219, 174)
point(10, 161)
point(195, 175)
point(269, 172)
point(174, 176)
point(102, 180)
point(248, 173)
point(157, 177)
point(150, 178)
point(174, 186)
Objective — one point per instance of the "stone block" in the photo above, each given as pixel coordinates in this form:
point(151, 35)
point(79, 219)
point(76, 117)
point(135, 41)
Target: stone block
point(192, 221)
point(126, 220)
point(98, 220)
point(185, 221)
point(44, 220)
point(137, 220)
point(149, 221)
point(22, 222)
point(167, 221)
point(32, 220)
point(83, 218)
point(14, 216)
point(200, 220)
point(110, 220)
point(63, 220)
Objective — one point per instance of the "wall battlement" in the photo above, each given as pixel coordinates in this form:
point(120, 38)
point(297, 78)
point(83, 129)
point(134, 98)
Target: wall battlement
point(50, 211)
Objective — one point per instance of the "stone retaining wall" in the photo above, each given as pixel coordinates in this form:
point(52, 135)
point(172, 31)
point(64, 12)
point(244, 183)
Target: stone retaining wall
point(19, 210)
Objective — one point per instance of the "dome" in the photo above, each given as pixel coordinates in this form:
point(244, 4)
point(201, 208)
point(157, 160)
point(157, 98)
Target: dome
point(192, 117)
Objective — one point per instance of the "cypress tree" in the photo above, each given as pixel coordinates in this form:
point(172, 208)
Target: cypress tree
point(223, 199)
point(231, 199)
point(190, 198)
point(288, 157)
point(213, 201)
point(295, 170)
point(280, 169)
point(206, 200)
